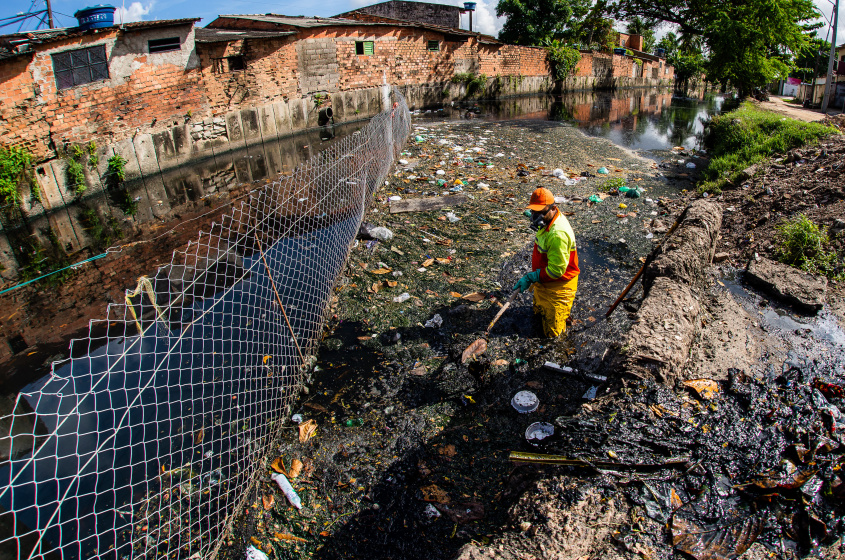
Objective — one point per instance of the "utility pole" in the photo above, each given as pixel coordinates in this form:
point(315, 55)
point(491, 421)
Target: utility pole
point(830, 82)
point(50, 15)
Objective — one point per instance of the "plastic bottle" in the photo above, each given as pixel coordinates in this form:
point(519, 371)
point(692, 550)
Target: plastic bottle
point(287, 489)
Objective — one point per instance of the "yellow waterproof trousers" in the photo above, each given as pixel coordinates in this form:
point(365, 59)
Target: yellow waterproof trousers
point(553, 302)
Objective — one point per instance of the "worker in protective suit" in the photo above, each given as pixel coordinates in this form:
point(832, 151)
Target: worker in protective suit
point(554, 264)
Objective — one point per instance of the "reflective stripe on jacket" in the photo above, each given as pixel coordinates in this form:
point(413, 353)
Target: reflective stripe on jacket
point(555, 255)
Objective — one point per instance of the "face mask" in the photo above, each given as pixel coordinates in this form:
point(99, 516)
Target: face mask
point(536, 220)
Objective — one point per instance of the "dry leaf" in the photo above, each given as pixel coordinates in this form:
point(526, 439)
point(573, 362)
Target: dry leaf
point(705, 388)
point(707, 538)
point(295, 468)
point(268, 501)
point(397, 251)
point(199, 435)
point(374, 288)
point(448, 450)
point(500, 363)
point(306, 430)
point(454, 294)
point(288, 537)
point(428, 262)
point(315, 406)
point(278, 465)
point(596, 221)
point(381, 271)
point(475, 349)
point(474, 297)
point(391, 283)
point(324, 533)
point(434, 493)
point(255, 541)
point(675, 499)
point(485, 226)
point(441, 260)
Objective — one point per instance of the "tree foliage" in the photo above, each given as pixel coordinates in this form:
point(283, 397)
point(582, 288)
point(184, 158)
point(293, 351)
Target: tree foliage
point(534, 22)
point(748, 44)
point(563, 58)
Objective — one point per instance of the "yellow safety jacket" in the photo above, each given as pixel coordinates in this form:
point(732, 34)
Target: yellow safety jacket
point(555, 255)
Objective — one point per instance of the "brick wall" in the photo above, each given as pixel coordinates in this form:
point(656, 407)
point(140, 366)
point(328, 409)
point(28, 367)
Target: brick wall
point(271, 73)
point(143, 90)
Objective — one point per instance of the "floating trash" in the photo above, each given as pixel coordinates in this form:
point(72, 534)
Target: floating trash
point(525, 402)
point(538, 431)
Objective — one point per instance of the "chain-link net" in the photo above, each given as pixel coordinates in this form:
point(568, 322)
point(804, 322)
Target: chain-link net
point(145, 441)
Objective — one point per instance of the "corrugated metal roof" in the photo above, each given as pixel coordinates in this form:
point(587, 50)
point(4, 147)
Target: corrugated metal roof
point(306, 22)
point(215, 35)
point(292, 21)
point(42, 36)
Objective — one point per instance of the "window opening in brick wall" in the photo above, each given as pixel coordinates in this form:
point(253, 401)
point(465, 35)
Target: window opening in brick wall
point(229, 64)
point(17, 344)
point(164, 45)
point(80, 66)
point(434, 45)
point(364, 48)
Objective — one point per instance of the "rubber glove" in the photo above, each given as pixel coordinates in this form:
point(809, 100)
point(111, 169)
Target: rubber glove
point(525, 282)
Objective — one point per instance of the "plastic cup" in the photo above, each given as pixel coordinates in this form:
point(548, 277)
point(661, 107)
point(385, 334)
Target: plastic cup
point(525, 402)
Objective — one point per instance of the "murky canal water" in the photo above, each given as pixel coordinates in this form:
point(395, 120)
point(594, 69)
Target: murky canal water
point(643, 121)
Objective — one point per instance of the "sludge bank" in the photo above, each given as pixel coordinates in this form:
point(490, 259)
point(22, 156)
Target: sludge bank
point(410, 457)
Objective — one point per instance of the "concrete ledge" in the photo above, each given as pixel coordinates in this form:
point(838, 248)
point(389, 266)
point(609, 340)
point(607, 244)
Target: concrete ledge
point(658, 344)
point(800, 289)
point(685, 256)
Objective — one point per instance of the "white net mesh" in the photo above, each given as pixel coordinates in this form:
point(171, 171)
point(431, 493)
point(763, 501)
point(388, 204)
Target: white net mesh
point(143, 443)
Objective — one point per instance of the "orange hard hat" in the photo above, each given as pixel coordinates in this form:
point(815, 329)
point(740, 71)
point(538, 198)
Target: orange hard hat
point(540, 198)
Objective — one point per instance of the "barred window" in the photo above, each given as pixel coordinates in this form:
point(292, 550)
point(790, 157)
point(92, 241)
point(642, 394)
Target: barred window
point(434, 45)
point(80, 66)
point(164, 45)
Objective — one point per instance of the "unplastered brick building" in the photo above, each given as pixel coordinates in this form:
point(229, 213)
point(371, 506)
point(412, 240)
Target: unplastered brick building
point(163, 92)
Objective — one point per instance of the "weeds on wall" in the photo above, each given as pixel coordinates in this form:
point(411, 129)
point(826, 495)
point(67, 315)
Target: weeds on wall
point(563, 59)
point(75, 162)
point(474, 83)
point(802, 243)
point(115, 175)
point(16, 169)
point(38, 260)
point(103, 232)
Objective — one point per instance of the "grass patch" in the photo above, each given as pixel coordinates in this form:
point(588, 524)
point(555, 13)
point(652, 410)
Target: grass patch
point(749, 135)
point(802, 243)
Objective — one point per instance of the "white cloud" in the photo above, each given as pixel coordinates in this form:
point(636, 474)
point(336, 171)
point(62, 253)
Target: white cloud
point(135, 12)
point(484, 18)
point(827, 9)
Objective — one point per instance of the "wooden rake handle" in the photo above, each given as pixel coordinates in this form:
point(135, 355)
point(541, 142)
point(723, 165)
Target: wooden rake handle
point(503, 309)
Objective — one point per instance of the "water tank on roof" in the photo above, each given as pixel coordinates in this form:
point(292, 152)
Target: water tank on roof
point(94, 17)
point(660, 53)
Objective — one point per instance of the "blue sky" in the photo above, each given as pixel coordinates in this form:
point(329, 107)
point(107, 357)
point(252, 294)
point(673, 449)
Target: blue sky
point(484, 20)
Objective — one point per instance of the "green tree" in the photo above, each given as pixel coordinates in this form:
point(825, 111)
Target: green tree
point(748, 44)
point(811, 59)
point(534, 22)
point(669, 43)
